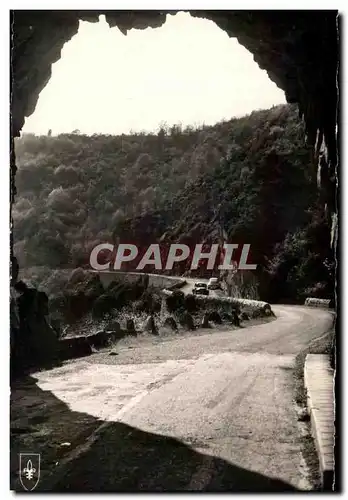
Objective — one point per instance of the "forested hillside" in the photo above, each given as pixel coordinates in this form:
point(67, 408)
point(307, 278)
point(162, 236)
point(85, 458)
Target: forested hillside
point(250, 176)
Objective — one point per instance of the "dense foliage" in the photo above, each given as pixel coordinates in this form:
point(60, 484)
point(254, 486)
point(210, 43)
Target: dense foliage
point(250, 178)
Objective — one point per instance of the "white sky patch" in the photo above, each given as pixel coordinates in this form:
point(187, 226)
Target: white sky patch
point(188, 71)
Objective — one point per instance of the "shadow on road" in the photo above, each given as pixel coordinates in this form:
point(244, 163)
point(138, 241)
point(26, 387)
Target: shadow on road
point(121, 458)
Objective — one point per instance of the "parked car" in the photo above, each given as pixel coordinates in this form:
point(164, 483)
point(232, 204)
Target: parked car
point(214, 284)
point(201, 285)
point(200, 290)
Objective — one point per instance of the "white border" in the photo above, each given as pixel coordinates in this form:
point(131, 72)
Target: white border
point(165, 5)
point(4, 248)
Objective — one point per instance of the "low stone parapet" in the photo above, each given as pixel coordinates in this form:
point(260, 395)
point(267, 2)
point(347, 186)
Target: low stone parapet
point(314, 302)
point(246, 304)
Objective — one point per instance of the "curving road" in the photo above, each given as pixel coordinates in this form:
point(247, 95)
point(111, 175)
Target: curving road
point(213, 412)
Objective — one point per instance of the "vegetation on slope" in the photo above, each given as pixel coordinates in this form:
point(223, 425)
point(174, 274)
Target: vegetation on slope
point(251, 177)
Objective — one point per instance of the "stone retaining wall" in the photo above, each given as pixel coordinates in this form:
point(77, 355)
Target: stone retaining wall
point(242, 303)
point(314, 302)
point(155, 280)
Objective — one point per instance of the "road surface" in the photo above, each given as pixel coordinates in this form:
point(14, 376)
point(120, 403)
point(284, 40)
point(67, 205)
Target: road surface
point(207, 413)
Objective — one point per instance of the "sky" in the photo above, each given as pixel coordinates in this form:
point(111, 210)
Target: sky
point(188, 71)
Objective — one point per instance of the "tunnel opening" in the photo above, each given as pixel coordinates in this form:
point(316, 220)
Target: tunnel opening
point(187, 72)
point(206, 97)
point(298, 51)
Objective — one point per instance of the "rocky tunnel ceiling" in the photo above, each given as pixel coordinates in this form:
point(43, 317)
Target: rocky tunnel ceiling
point(298, 49)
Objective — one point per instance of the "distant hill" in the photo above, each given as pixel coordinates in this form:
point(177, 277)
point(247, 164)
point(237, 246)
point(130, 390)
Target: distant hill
point(251, 176)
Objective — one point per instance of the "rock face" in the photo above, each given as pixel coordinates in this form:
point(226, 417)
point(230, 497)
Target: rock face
point(130, 327)
point(33, 342)
point(99, 340)
point(175, 301)
point(81, 292)
point(56, 326)
point(205, 321)
point(77, 276)
point(171, 323)
point(215, 317)
point(235, 318)
point(74, 347)
point(150, 325)
point(113, 327)
point(186, 320)
point(103, 305)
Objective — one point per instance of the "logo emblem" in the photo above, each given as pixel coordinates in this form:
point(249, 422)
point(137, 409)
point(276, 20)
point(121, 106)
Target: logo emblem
point(29, 470)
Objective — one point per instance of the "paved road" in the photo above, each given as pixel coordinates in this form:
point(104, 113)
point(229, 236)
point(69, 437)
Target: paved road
point(207, 413)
